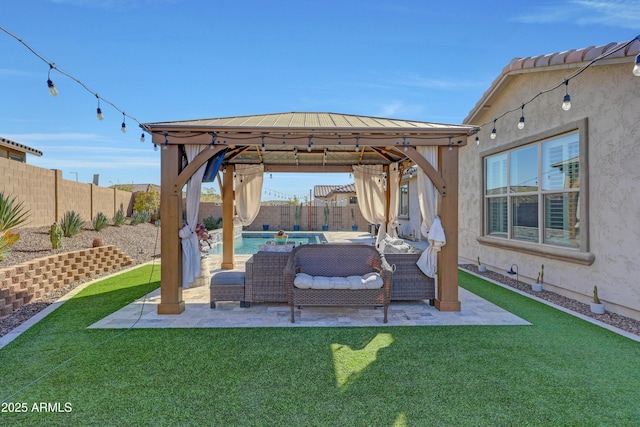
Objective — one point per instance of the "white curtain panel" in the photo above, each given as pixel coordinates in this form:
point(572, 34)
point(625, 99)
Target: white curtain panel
point(393, 181)
point(370, 193)
point(189, 239)
point(431, 226)
point(248, 189)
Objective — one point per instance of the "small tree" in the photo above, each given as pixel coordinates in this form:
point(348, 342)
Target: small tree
point(147, 201)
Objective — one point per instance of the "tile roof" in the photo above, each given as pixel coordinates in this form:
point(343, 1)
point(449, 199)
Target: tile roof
point(324, 191)
point(575, 57)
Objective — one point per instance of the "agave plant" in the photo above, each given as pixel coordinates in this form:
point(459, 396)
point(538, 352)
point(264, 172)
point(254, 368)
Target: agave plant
point(100, 221)
point(119, 218)
point(71, 223)
point(12, 214)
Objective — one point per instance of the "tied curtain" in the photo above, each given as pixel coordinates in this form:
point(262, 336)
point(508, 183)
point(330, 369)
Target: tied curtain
point(248, 188)
point(431, 226)
point(370, 191)
point(188, 236)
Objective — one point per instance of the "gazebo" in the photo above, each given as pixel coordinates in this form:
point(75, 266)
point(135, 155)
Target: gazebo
point(307, 143)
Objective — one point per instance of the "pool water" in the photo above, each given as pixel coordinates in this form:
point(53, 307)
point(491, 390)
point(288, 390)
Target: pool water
point(250, 242)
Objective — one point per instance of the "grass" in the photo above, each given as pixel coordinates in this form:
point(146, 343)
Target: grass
point(560, 371)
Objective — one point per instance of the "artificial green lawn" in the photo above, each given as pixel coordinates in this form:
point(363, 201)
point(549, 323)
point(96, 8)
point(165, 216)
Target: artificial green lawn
point(560, 371)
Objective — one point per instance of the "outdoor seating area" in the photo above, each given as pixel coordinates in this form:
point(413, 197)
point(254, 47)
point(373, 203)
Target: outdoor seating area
point(265, 280)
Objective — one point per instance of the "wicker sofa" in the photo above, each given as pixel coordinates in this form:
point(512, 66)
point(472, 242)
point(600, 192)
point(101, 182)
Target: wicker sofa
point(337, 261)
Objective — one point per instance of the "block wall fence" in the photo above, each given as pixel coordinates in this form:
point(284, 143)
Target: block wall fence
point(282, 217)
point(48, 196)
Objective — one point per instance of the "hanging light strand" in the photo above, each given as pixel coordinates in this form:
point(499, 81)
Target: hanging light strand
point(53, 89)
point(567, 98)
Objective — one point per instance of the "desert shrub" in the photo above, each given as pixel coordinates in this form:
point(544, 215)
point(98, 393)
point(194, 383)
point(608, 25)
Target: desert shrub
point(7, 238)
point(100, 221)
point(119, 218)
point(71, 223)
point(147, 201)
point(139, 217)
point(212, 222)
point(12, 214)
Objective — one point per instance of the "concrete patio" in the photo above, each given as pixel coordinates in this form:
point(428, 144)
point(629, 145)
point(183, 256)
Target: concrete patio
point(198, 313)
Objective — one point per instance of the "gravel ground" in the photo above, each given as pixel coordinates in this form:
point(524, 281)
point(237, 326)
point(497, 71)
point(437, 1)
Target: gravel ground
point(139, 242)
point(142, 241)
point(624, 323)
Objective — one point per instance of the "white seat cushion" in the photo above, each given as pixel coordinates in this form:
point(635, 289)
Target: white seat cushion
point(368, 281)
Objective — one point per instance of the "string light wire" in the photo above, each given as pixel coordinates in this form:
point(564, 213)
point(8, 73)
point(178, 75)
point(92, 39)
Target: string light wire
point(564, 81)
point(52, 66)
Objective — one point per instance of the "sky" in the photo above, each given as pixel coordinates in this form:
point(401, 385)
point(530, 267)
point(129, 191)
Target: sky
point(167, 60)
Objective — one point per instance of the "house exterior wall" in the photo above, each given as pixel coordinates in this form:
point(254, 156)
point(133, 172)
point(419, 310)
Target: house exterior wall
point(47, 196)
point(608, 97)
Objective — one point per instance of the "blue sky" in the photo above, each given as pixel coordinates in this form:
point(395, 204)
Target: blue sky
point(165, 60)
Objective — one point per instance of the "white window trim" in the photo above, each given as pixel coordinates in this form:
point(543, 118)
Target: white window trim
point(579, 255)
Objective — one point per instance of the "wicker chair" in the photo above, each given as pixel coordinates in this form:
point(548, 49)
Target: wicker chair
point(409, 282)
point(340, 261)
point(264, 279)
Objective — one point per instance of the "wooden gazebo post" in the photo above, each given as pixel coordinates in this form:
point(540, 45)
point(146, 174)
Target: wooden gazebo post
point(228, 261)
point(447, 299)
point(171, 301)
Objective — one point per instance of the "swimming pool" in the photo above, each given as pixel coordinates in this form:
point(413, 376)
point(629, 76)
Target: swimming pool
point(249, 242)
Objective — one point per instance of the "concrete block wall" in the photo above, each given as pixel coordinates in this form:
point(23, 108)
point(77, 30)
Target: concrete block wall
point(47, 196)
point(276, 217)
point(22, 283)
point(35, 187)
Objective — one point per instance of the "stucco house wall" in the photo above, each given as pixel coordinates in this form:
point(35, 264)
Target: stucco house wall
point(606, 104)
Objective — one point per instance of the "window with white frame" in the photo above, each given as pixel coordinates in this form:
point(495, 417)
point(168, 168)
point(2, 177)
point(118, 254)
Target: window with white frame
point(403, 201)
point(532, 192)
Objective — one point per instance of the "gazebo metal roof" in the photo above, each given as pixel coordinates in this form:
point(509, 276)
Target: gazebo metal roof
point(311, 142)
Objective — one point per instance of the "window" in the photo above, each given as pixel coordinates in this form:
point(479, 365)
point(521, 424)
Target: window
point(403, 201)
point(532, 192)
point(353, 200)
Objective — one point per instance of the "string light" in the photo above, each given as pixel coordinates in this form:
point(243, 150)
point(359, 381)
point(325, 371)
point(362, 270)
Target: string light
point(521, 122)
point(53, 90)
point(123, 128)
point(477, 138)
point(450, 143)
point(566, 101)
point(166, 142)
point(155, 147)
point(357, 144)
point(263, 147)
point(566, 104)
point(99, 110)
point(52, 87)
point(213, 140)
point(142, 137)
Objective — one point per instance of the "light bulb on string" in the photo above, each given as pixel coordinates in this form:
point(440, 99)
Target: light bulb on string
point(477, 139)
point(521, 122)
point(53, 91)
point(123, 128)
point(166, 142)
point(155, 147)
point(142, 137)
point(636, 68)
point(493, 132)
point(213, 141)
point(566, 101)
point(99, 110)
